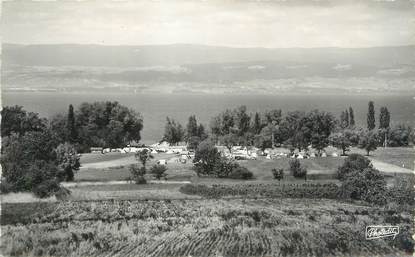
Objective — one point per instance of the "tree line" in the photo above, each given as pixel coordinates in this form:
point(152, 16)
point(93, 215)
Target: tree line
point(37, 154)
point(295, 130)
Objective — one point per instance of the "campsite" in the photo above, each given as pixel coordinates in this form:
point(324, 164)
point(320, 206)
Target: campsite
point(307, 186)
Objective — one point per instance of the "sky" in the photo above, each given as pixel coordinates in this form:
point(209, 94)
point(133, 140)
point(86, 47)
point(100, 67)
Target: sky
point(271, 24)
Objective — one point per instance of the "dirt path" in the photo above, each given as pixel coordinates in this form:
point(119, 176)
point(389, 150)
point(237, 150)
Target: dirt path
point(389, 168)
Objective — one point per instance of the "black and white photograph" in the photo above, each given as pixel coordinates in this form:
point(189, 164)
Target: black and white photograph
point(207, 128)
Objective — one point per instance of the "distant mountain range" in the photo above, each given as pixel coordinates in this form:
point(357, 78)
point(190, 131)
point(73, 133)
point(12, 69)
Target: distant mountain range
point(137, 56)
point(189, 68)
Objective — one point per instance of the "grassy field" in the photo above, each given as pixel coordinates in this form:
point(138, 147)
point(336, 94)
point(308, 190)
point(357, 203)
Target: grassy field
point(262, 227)
point(399, 156)
point(97, 157)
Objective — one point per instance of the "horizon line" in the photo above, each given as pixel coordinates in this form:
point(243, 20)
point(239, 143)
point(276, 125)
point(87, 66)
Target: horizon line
point(204, 45)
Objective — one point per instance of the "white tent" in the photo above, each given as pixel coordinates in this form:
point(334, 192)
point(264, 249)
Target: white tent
point(162, 162)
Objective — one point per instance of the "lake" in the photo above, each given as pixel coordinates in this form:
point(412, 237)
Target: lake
point(155, 107)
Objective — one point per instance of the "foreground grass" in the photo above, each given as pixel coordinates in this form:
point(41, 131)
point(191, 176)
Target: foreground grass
point(262, 227)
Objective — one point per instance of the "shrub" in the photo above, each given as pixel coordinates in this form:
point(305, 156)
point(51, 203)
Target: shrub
point(62, 193)
point(46, 188)
point(354, 162)
point(158, 171)
point(240, 172)
point(137, 174)
point(368, 185)
point(296, 170)
point(278, 174)
point(403, 191)
point(5, 187)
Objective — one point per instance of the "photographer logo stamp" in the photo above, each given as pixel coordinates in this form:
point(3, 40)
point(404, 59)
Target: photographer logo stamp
point(374, 232)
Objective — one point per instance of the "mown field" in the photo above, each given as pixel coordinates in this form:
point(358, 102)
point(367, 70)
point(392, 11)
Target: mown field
point(250, 227)
point(115, 165)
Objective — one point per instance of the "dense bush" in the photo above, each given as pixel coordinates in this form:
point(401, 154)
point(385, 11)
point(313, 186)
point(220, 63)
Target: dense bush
point(209, 162)
point(403, 191)
point(278, 173)
point(399, 135)
point(354, 162)
point(137, 174)
point(297, 170)
point(368, 185)
point(46, 188)
point(158, 171)
point(240, 172)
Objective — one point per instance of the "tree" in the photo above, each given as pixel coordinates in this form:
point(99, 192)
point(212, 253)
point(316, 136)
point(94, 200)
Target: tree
point(229, 140)
point(341, 140)
point(368, 141)
point(399, 135)
point(194, 133)
point(206, 157)
point(158, 171)
point(193, 142)
point(14, 119)
point(173, 132)
point(354, 162)
point(351, 117)
point(317, 129)
point(263, 140)
point(371, 116)
point(144, 156)
point(297, 170)
point(191, 127)
point(344, 119)
point(29, 161)
point(278, 174)
point(201, 132)
point(257, 125)
point(57, 126)
point(242, 120)
point(384, 118)
point(71, 126)
point(107, 124)
point(137, 174)
point(384, 122)
point(68, 161)
point(273, 117)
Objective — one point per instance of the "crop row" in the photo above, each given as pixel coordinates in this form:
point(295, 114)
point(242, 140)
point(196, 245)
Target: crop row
point(329, 191)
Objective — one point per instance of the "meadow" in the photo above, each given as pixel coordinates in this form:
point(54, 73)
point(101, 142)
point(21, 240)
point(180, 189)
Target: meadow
point(237, 227)
point(206, 216)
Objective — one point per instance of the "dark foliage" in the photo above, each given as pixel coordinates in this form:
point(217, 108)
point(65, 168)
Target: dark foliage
point(159, 171)
point(354, 162)
point(297, 170)
point(278, 174)
point(240, 172)
point(371, 116)
point(137, 174)
point(368, 185)
point(14, 119)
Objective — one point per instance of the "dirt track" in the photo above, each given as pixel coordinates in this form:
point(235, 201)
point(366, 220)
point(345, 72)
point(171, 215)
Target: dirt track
point(389, 168)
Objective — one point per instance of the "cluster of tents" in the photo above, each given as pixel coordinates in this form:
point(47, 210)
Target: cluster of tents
point(252, 153)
